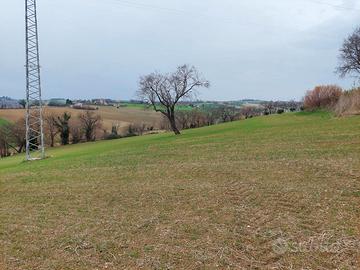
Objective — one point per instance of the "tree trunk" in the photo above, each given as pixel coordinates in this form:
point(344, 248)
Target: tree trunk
point(173, 126)
point(52, 140)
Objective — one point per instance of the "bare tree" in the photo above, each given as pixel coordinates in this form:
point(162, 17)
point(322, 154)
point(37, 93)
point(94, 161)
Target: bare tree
point(269, 107)
point(350, 55)
point(90, 122)
point(76, 131)
point(250, 111)
point(51, 127)
point(183, 119)
point(212, 116)
point(4, 147)
point(18, 131)
point(5, 141)
point(12, 136)
point(164, 91)
point(228, 113)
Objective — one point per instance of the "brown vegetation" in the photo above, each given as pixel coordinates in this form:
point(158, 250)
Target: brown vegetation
point(333, 98)
point(123, 117)
point(322, 97)
point(349, 103)
point(12, 138)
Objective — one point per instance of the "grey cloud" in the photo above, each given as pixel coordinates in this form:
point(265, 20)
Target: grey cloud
point(247, 49)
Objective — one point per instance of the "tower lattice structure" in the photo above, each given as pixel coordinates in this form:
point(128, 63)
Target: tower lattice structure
point(34, 107)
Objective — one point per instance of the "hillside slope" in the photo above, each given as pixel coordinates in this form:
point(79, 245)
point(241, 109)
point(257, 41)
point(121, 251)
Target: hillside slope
point(2, 121)
point(279, 192)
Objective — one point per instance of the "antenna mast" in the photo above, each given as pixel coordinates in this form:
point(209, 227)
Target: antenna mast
point(34, 121)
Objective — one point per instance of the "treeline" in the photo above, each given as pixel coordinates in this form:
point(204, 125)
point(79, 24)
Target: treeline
point(333, 98)
point(64, 129)
point(200, 117)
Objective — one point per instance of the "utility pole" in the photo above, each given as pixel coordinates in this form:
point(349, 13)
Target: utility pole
point(34, 114)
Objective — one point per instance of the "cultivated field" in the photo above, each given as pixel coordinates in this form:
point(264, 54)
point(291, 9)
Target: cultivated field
point(122, 117)
point(277, 192)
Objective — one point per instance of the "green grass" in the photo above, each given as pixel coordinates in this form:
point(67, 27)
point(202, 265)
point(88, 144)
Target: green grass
point(145, 106)
point(134, 105)
point(2, 122)
point(216, 197)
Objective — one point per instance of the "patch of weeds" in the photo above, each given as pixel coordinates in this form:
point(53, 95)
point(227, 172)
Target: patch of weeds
point(134, 254)
point(148, 248)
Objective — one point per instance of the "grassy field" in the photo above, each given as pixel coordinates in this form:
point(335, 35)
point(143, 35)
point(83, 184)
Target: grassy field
point(2, 121)
point(122, 117)
point(149, 107)
point(277, 192)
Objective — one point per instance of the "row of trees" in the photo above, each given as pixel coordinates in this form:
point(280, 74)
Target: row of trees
point(198, 118)
point(68, 129)
point(12, 138)
point(83, 127)
point(215, 115)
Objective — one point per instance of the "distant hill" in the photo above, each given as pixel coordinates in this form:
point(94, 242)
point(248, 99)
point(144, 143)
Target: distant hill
point(8, 103)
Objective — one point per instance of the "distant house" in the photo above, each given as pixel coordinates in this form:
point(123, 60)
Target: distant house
point(100, 101)
point(78, 105)
point(8, 103)
point(57, 102)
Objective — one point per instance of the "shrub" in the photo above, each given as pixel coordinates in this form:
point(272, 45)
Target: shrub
point(280, 111)
point(114, 133)
point(136, 130)
point(322, 97)
point(349, 103)
point(112, 136)
point(250, 111)
point(76, 131)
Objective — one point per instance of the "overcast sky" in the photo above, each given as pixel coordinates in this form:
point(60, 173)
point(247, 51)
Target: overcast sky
point(263, 49)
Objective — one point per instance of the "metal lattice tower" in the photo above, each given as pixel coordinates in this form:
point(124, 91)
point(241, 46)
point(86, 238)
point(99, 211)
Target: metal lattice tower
point(34, 122)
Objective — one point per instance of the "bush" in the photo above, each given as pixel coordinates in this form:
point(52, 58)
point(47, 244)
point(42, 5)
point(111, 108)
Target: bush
point(322, 97)
point(349, 103)
point(114, 133)
point(112, 136)
point(280, 111)
point(136, 130)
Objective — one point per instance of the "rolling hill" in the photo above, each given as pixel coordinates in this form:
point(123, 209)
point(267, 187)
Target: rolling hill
point(122, 117)
point(276, 192)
